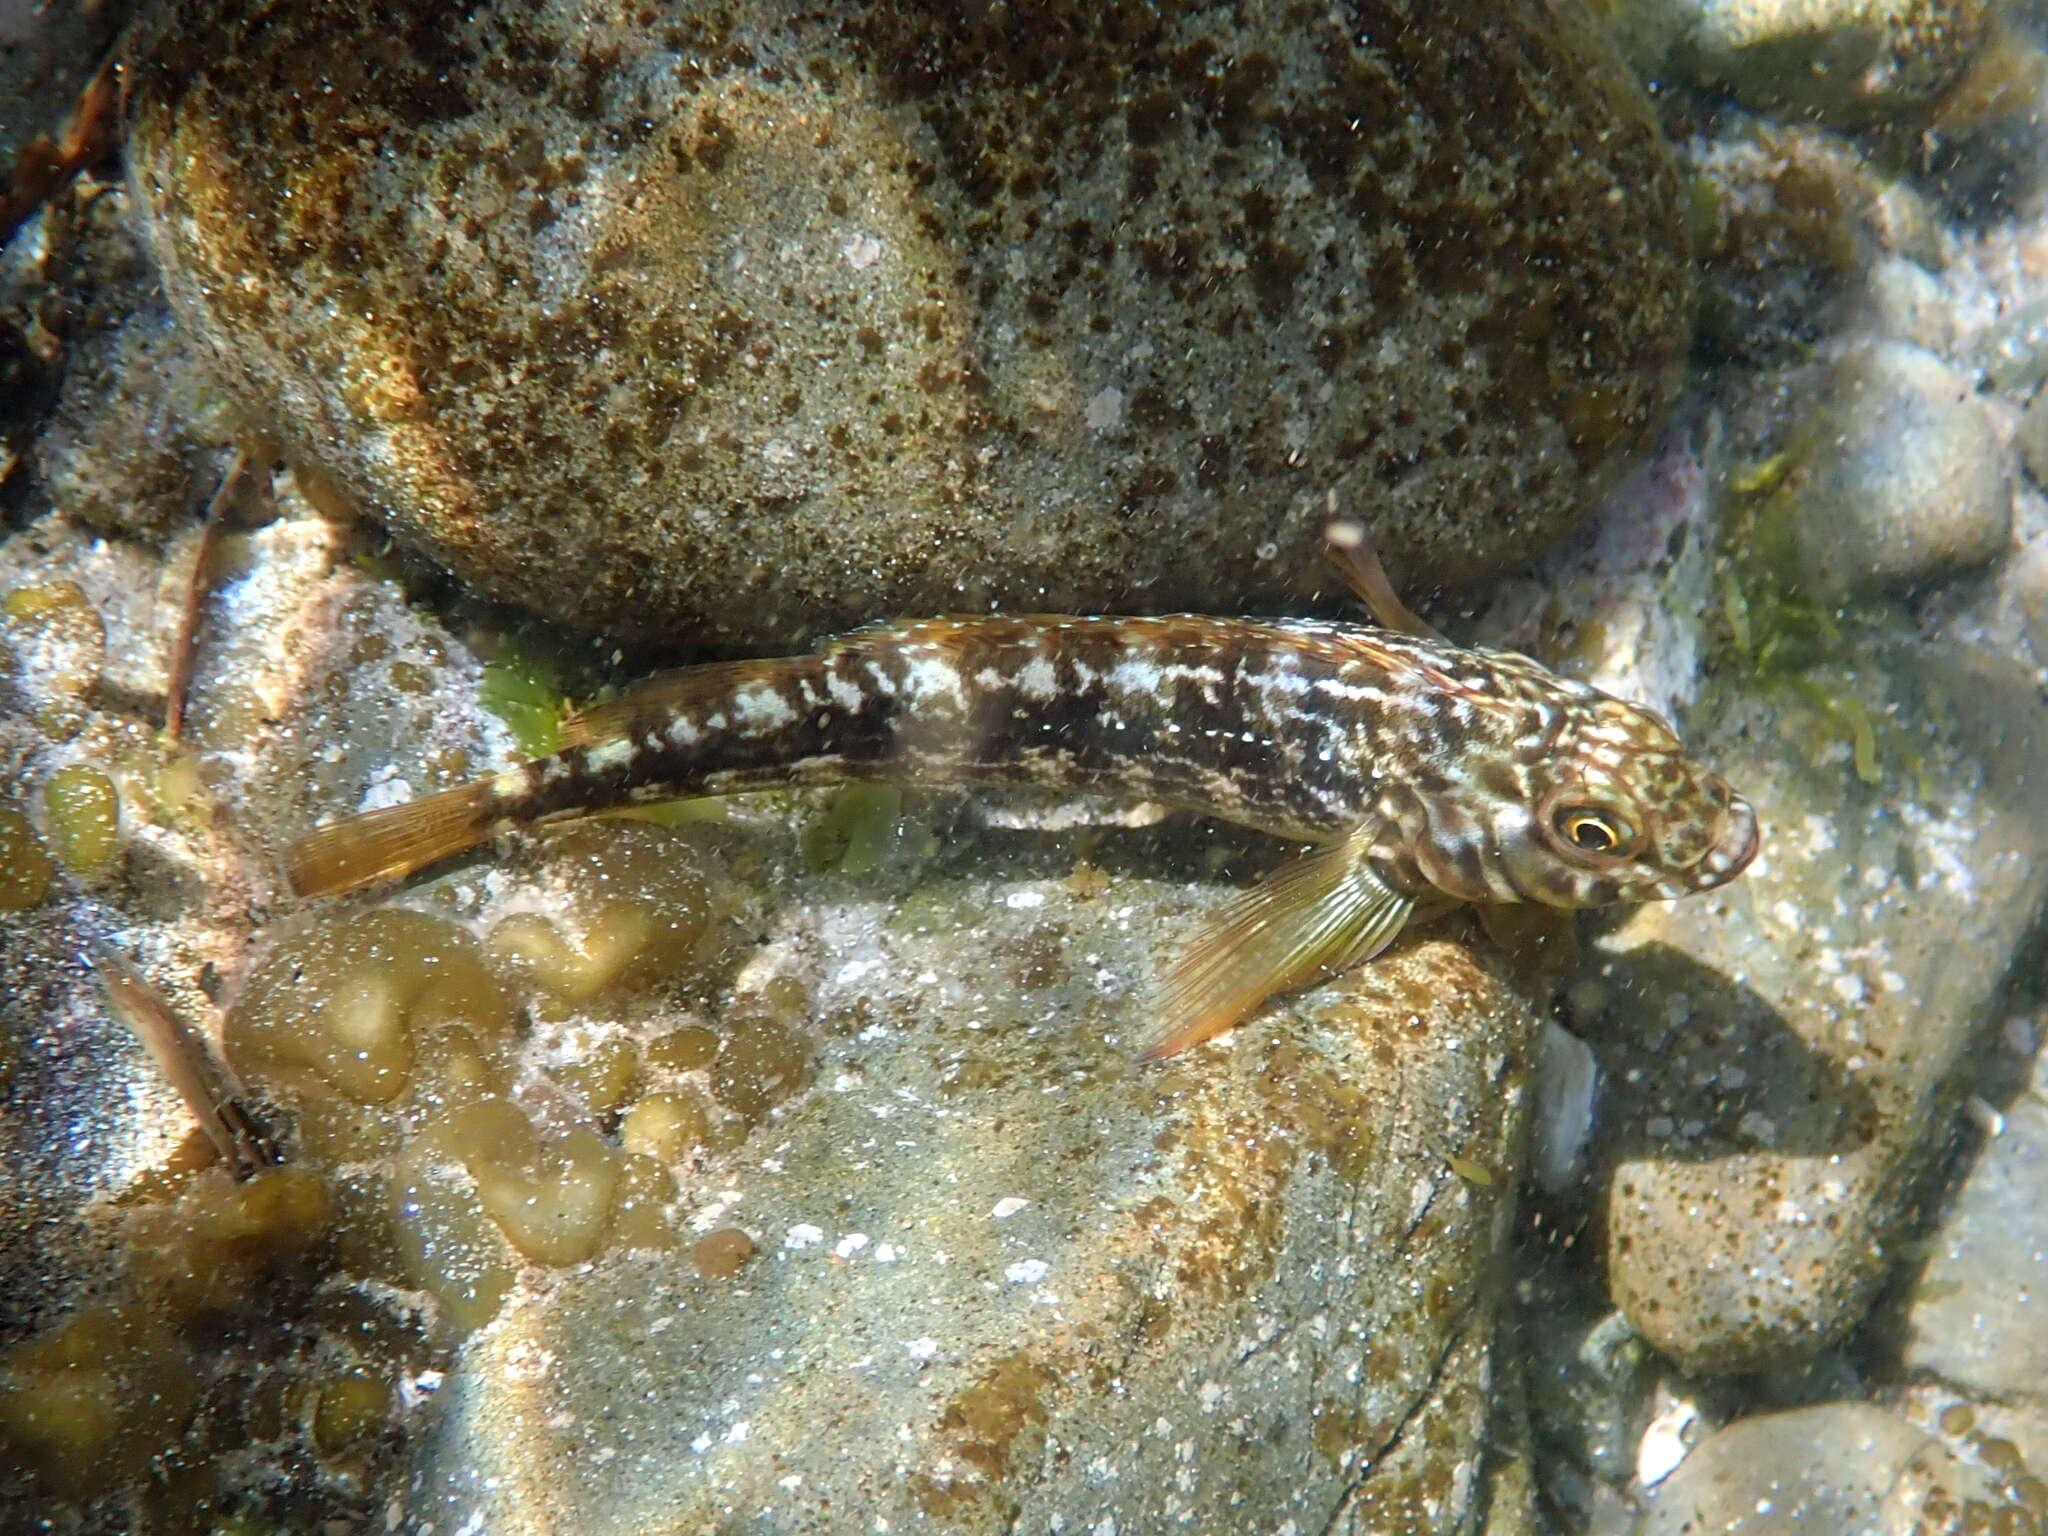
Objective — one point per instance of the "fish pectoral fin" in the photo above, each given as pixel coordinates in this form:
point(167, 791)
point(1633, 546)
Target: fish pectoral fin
point(1317, 914)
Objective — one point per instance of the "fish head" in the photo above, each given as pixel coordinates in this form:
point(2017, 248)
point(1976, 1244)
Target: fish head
point(1618, 810)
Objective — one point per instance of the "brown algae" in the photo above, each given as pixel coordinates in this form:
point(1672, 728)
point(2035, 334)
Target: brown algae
point(25, 864)
point(82, 810)
point(496, 1089)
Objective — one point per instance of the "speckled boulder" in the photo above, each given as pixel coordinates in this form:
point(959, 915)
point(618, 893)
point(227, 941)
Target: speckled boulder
point(727, 324)
point(1898, 476)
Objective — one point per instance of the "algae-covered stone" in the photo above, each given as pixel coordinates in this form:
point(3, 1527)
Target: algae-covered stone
point(734, 324)
point(1076, 1294)
point(1782, 1052)
point(1848, 60)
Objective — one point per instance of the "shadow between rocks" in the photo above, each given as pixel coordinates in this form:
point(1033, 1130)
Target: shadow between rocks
point(1698, 1066)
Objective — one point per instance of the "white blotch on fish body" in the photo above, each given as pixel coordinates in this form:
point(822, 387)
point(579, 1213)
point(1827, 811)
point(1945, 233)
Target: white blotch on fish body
point(609, 755)
point(762, 708)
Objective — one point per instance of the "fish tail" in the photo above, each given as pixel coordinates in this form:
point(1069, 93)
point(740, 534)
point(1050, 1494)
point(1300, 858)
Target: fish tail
point(387, 844)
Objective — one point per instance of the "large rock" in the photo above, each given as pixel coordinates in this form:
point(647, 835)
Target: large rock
point(732, 324)
point(1831, 1467)
point(1034, 1283)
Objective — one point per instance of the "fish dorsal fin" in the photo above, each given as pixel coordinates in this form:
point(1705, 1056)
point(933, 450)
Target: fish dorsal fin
point(685, 690)
point(1318, 913)
point(1348, 547)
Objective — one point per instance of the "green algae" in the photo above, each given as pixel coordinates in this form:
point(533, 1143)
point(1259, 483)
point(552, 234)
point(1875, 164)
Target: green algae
point(83, 810)
point(25, 866)
point(856, 830)
point(525, 692)
point(1783, 637)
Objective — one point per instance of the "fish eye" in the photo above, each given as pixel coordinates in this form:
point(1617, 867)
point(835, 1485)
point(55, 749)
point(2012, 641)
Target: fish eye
point(1590, 829)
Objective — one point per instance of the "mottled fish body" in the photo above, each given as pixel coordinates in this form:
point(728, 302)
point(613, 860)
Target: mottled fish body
point(1425, 772)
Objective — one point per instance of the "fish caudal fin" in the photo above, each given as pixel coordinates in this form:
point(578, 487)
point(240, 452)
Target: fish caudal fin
point(395, 841)
point(1320, 913)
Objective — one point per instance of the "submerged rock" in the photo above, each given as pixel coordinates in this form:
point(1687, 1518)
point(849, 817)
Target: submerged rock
point(1834, 1467)
point(904, 1174)
point(1979, 1316)
point(735, 325)
point(1900, 477)
point(1007, 1280)
point(1846, 60)
point(1781, 1051)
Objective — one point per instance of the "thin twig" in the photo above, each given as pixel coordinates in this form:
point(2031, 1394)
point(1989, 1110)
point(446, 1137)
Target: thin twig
point(185, 643)
point(205, 1082)
point(1348, 547)
point(43, 165)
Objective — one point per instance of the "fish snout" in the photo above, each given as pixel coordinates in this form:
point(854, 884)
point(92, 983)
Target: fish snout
point(1735, 844)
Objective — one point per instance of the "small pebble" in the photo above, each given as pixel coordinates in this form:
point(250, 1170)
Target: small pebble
point(720, 1255)
point(1900, 478)
point(2012, 352)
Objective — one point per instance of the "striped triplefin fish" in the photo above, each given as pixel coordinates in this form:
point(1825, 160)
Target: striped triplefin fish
point(1425, 773)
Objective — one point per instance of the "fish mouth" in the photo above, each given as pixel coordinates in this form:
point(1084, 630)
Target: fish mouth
point(1735, 845)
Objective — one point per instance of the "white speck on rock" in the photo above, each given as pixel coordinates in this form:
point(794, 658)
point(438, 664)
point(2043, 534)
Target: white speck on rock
point(850, 1244)
point(1009, 1205)
point(861, 252)
point(1105, 411)
point(803, 1235)
point(1024, 901)
point(1664, 1444)
point(922, 1349)
point(1027, 1271)
point(388, 791)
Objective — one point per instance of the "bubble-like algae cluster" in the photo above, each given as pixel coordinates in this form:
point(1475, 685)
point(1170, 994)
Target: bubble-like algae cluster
point(516, 1079)
point(636, 910)
point(82, 809)
point(93, 1399)
point(59, 645)
point(346, 1003)
point(517, 1084)
point(131, 1390)
point(25, 864)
